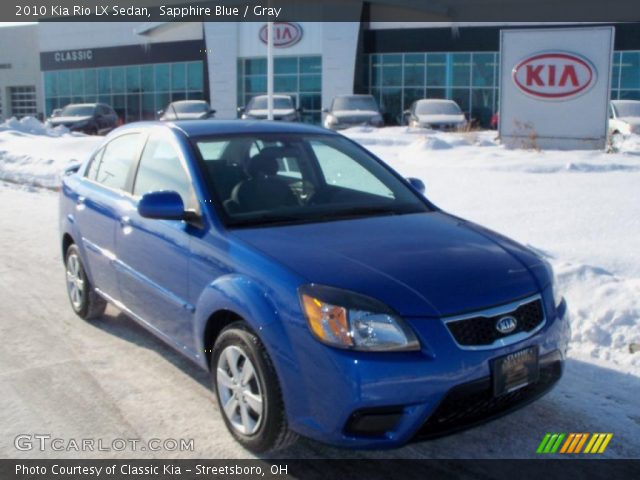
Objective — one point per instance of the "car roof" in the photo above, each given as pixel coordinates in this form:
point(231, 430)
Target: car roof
point(82, 104)
point(275, 95)
point(354, 95)
point(203, 128)
point(189, 101)
point(436, 100)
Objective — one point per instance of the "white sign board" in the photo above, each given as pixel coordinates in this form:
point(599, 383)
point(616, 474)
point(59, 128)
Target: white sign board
point(554, 87)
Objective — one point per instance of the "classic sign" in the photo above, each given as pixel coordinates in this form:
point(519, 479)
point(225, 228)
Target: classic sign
point(285, 34)
point(554, 75)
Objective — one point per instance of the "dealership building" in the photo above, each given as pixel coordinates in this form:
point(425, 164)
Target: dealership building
point(139, 68)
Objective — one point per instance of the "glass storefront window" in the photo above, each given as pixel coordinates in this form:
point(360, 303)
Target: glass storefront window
point(162, 74)
point(483, 72)
point(630, 70)
point(178, 76)
point(146, 78)
point(436, 69)
point(414, 70)
point(90, 81)
point(299, 77)
point(122, 87)
point(285, 65)
point(195, 76)
point(461, 70)
point(117, 80)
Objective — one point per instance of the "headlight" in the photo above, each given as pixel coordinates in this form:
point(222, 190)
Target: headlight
point(331, 120)
point(558, 292)
point(352, 321)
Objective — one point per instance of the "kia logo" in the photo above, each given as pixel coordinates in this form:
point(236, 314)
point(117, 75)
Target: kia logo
point(285, 34)
point(506, 325)
point(554, 75)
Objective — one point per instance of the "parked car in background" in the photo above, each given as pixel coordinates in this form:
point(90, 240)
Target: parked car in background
point(284, 109)
point(89, 118)
point(323, 292)
point(624, 119)
point(435, 114)
point(351, 110)
point(186, 110)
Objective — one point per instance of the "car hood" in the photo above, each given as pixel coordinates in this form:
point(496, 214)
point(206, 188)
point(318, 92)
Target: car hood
point(340, 114)
point(65, 120)
point(429, 264)
point(185, 116)
point(436, 119)
point(277, 112)
point(633, 121)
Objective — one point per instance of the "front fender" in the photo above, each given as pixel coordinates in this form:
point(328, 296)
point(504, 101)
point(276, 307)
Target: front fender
point(243, 296)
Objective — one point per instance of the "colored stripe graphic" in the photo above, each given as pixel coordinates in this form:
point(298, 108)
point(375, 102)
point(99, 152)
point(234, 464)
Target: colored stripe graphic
point(574, 442)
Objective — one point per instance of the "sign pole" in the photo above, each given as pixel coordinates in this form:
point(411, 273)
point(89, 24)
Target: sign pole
point(270, 71)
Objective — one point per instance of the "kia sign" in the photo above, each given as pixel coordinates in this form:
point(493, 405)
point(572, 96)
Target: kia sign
point(554, 75)
point(285, 34)
point(554, 87)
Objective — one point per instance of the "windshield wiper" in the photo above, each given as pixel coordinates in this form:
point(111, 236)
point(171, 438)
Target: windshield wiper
point(361, 212)
point(265, 219)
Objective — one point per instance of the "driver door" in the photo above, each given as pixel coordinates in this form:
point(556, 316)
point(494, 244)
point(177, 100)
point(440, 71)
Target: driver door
point(154, 254)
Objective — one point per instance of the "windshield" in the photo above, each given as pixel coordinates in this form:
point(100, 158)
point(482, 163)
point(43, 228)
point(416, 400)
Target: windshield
point(627, 109)
point(280, 103)
point(197, 107)
point(293, 178)
point(354, 103)
point(77, 111)
point(437, 108)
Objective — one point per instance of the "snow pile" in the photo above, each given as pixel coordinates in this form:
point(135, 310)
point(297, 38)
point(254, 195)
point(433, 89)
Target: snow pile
point(32, 153)
point(579, 209)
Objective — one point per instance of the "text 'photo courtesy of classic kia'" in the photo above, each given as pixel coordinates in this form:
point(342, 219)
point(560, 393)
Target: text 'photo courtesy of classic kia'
point(324, 293)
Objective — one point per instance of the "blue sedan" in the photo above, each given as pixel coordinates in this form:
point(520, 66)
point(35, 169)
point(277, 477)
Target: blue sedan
point(324, 293)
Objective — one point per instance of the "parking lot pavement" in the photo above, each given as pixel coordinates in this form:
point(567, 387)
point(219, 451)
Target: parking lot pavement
point(110, 379)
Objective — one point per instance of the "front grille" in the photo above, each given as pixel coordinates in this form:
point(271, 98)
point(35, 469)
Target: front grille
point(473, 403)
point(482, 331)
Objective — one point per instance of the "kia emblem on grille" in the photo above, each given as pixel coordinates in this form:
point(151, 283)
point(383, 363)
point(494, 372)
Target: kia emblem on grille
point(506, 325)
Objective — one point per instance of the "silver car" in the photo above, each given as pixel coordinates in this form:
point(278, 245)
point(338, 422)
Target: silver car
point(352, 110)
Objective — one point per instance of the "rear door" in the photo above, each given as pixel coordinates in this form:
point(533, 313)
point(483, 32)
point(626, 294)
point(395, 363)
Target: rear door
point(154, 254)
point(101, 197)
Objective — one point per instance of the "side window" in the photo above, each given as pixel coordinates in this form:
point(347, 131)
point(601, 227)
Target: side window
point(111, 166)
point(160, 169)
point(342, 171)
point(289, 167)
point(92, 171)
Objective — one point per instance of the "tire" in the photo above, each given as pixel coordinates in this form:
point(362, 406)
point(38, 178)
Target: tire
point(255, 413)
point(86, 303)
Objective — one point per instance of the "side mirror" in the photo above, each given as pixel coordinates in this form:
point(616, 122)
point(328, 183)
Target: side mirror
point(163, 205)
point(325, 110)
point(417, 184)
point(240, 110)
point(212, 112)
point(160, 112)
point(300, 110)
point(407, 112)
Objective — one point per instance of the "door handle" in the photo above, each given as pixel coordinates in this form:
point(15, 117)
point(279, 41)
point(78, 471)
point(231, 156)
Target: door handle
point(80, 205)
point(125, 222)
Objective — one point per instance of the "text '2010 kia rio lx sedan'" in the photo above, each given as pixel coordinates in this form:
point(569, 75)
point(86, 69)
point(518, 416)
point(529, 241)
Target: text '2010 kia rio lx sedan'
point(324, 293)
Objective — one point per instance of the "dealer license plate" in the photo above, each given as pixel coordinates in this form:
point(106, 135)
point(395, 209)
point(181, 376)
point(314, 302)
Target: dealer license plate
point(516, 370)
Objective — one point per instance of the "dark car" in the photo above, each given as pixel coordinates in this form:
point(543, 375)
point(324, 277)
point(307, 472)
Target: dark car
point(89, 118)
point(323, 292)
point(352, 110)
point(187, 110)
point(284, 109)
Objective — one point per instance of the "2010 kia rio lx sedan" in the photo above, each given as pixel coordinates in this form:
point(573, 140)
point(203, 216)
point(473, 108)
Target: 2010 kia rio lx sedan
point(324, 293)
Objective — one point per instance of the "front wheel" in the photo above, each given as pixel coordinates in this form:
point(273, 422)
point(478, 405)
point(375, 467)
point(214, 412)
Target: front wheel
point(86, 303)
point(248, 391)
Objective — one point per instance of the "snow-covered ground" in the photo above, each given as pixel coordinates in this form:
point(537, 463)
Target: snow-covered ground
point(581, 210)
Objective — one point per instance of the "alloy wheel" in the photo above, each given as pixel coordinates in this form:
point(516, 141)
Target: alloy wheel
point(239, 390)
point(75, 281)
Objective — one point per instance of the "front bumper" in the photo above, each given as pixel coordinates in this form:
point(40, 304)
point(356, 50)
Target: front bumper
point(383, 400)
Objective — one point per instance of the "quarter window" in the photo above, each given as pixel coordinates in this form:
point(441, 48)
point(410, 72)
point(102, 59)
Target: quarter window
point(110, 167)
point(160, 169)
